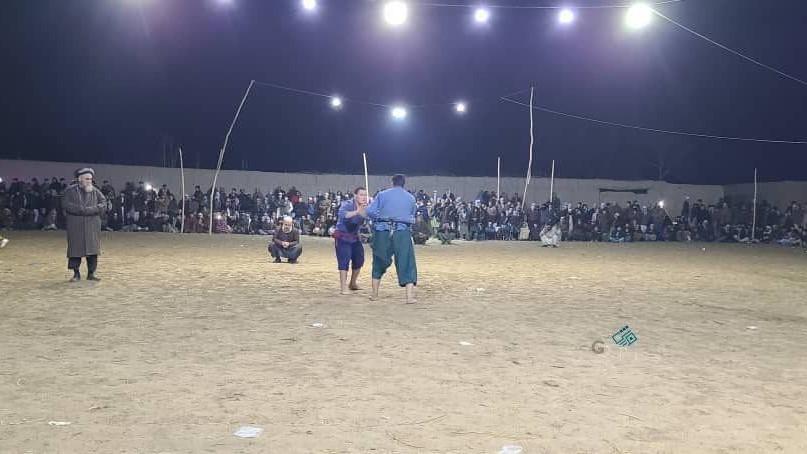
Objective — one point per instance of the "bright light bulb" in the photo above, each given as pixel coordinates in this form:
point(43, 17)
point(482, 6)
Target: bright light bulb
point(309, 5)
point(460, 107)
point(566, 16)
point(638, 16)
point(336, 102)
point(398, 113)
point(395, 13)
point(148, 187)
point(481, 15)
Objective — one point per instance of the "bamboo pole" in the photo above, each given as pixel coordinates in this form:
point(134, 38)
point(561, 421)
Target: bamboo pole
point(529, 165)
point(221, 154)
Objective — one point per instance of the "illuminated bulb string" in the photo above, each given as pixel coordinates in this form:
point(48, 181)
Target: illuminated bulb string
point(662, 131)
point(460, 5)
point(507, 98)
point(615, 6)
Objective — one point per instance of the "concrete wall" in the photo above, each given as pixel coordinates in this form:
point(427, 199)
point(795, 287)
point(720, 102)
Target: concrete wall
point(569, 190)
point(779, 194)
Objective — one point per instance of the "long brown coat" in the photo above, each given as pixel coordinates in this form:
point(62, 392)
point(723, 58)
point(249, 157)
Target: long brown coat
point(83, 211)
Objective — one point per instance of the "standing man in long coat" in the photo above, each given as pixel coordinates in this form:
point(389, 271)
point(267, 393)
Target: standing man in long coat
point(83, 204)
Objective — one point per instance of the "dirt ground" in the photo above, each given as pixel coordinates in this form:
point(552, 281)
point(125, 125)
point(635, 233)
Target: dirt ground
point(188, 338)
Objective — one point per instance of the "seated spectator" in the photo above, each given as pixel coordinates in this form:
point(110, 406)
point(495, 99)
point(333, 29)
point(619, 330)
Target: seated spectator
point(792, 237)
point(421, 231)
point(49, 222)
point(446, 233)
point(286, 242)
point(306, 225)
point(243, 223)
point(636, 232)
point(202, 220)
point(319, 228)
point(266, 226)
point(741, 234)
point(650, 234)
point(220, 224)
point(490, 231)
point(617, 235)
point(727, 234)
point(682, 232)
point(550, 235)
point(524, 233)
point(114, 223)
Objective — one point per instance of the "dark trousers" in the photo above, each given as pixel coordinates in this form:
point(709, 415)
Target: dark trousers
point(73, 263)
point(399, 246)
point(291, 253)
point(347, 253)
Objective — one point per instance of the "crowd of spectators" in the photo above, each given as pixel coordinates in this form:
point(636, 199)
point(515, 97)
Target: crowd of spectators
point(35, 205)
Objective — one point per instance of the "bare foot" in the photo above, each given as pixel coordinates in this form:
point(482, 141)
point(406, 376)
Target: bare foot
point(373, 297)
point(411, 301)
point(344, 292)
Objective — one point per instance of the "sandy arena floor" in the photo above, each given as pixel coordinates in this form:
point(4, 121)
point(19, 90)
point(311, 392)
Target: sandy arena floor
point(188, 338)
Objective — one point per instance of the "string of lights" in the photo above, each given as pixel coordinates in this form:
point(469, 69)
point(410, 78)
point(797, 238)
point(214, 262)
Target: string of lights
point(662, 131)
point(396, 12)
point(638, 16)
point(401, 111)
point(337, 101)
point(554, 7)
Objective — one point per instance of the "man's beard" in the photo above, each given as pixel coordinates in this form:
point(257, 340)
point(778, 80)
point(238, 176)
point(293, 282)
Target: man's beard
point(87, 188)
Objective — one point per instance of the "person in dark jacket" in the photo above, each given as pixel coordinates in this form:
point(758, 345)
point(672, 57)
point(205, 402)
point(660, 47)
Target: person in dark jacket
point(286, 242)
point(83, 205)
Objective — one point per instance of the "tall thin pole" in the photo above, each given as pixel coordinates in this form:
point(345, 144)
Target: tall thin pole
point(552, 183)
point(754, 223)
point(529, 165)
point(498, 176)
point(366, 177)
point(182, 198)
point(221, 154)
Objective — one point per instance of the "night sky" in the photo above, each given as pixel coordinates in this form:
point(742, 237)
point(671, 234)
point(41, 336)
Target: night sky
point(120, 81)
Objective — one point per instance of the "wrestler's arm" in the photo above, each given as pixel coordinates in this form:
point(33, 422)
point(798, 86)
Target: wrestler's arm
point(374, 210)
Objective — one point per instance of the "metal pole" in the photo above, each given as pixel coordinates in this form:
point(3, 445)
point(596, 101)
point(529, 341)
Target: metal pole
point(498, 175)
point(182, 198)
point(529, 166)
point(552, 183)
point(366, 178)
point(754, 223)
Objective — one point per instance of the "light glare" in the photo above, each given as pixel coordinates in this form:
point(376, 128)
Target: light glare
point(481, 15)
point(460, 107)
point(398, 113)
point(309, 5)
point(566, 16)
point(395, 13)
point(638, 16)
point(336, 102)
